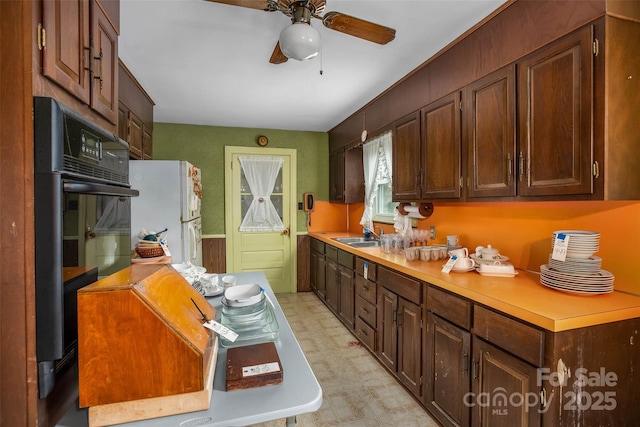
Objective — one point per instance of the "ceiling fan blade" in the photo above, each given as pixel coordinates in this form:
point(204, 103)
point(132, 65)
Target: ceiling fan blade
point(251, 4)
point(277, 57)
point(358, 27)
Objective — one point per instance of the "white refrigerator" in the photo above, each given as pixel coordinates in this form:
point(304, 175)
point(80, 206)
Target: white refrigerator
point(170, 197)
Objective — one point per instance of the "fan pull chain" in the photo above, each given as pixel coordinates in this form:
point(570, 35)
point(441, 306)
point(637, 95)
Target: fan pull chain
point(320, 61)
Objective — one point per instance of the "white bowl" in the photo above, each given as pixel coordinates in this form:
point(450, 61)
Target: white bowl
point(243, 295)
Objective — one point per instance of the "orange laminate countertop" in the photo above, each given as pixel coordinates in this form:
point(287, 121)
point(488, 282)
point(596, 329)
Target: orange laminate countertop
point(521, 296)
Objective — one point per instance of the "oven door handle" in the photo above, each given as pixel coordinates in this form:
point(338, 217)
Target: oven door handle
point(98, 189)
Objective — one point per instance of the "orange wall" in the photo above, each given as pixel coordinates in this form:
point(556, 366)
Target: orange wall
point(522, 231)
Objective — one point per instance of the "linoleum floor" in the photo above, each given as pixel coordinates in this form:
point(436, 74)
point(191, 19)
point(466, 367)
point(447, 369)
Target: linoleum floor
point(357, 391)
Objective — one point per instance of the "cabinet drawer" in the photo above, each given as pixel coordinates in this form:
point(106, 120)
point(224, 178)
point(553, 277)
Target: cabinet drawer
point(366, 289)
point(404, 286)
point(366, 311)
point(514, 336)
point(448, 306)
point(346, 259)
point(366, 334)
point(331, 252)
point(317, 245)
point(365, 266)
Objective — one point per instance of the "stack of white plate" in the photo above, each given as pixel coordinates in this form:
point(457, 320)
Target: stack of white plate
point(581, 283)
point(582, 244)
point(581, 271)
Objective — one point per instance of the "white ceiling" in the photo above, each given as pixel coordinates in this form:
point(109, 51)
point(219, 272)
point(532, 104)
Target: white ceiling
point(207, 63)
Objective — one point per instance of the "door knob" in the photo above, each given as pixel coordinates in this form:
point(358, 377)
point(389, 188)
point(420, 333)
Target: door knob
point(285, 232)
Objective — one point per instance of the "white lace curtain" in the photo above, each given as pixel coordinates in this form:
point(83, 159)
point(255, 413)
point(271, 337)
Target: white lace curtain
point(376, 156)
point(261, 174)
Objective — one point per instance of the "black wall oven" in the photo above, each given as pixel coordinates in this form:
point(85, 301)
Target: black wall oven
point(82, 223)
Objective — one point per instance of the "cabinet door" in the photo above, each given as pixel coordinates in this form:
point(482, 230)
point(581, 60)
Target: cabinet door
point(336, 177)
point(410, 345)
point(448, 349)
point(505, 390)
point(489, 112)
point(346, 303)
point(123, 121)
point(320, 275)
point(441, 148)
point(313, 264)
point(332, 278)
point(406, 158)
point(147, 143)
point(387, 329)
point(135, 136)
point(66, 54)
point(555, 93)
point(104, 51)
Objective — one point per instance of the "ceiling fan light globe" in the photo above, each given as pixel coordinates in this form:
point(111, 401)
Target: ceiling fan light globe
point(300, 41)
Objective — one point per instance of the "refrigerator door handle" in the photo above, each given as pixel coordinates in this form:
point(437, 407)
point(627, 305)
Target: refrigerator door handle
point(194, 241)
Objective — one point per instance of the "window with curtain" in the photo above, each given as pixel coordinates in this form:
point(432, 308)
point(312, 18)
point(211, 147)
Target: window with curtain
point(261, 177)
point(376, 156)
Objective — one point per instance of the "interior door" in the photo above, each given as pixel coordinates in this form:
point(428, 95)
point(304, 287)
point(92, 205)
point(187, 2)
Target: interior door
point(271, 251)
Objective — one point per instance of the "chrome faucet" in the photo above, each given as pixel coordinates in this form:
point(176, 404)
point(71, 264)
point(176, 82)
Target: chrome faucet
point(376, 236)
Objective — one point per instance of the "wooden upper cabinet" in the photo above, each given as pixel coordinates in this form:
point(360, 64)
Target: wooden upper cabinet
point(441, 141)
point(489, 112)
point(135, 115)
point(65, 57)
point(346, 175)
point(104, 52)
point(336, 176)
point(80, 51)
point(555, 92)
point(406, 158)
point(135, 135)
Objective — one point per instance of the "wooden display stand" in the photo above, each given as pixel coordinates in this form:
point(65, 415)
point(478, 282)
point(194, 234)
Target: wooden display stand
point(142, 349)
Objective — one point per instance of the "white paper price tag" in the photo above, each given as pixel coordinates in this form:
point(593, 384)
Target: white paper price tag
point(449, 265)
point(366, 270)
point(265, 368)
point(560, 247)
point(221, 330)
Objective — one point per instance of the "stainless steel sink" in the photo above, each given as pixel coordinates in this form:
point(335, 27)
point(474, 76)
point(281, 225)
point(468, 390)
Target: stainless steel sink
point(358, 242)
point(348, 240)
point(366, 244)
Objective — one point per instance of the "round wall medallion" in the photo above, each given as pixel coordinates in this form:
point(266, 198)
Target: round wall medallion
point(262, 140)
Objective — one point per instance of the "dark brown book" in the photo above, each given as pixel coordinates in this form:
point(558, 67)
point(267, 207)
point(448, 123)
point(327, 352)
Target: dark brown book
point(253, 366)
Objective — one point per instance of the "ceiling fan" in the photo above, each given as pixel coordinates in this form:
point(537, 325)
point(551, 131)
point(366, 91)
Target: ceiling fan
point(300, 40)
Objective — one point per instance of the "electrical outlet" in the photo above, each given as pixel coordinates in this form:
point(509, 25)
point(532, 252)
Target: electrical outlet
point(300, 206)
point(432, 232)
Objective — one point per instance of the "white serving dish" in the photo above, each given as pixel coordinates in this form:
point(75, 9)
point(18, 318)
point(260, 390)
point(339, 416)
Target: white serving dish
point(243, 295)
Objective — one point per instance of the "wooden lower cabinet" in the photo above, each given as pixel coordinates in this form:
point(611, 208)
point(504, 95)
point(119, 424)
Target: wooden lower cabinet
point(399, 329)
point(387, 327)
point(505, 389)
point(317, 267)
point(447, 371)
point(331, 291)
point(366, 314)
point(346, 303)
point(410, 345)
point(472, 365)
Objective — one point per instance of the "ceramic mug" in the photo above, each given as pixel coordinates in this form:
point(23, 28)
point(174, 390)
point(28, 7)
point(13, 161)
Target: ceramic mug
point(228, 281)
point(452, 240)
point(425, 254)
